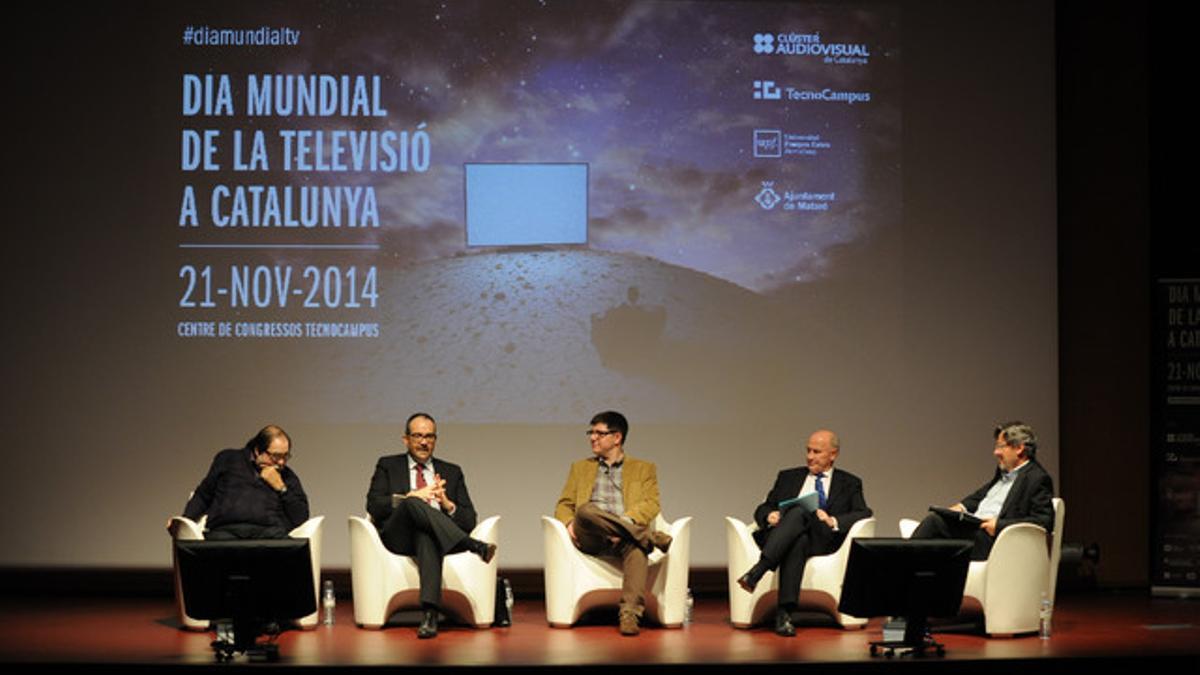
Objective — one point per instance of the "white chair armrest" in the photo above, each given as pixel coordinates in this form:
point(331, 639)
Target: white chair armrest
point(311, 529)
point(673, 601)
point(742, 551)
point(187, 529)
point(487, 530)
point(308, 529)
point(1017, 567)
point(1060, 514)
point(183, 528)
point(560, 568)
point(864, 528)
point(740, 548)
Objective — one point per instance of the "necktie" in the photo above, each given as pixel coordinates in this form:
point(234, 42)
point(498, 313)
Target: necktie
point(421, 480)
point(820, 492)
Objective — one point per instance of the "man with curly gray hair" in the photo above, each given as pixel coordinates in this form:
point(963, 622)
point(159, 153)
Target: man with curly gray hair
point(1019, 492)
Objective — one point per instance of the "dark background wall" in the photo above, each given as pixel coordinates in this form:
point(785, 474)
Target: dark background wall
point(1114, 240)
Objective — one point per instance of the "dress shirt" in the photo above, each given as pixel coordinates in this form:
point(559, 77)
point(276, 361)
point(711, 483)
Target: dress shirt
point(607, 492)
point(994, 500)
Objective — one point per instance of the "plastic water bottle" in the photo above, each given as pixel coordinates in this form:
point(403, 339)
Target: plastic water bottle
point(328, 602)
point(508, 597)
point(687, 614)
point(1044, 615)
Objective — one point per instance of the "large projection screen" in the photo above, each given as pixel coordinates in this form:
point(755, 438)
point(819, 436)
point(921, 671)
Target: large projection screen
point(798, 215)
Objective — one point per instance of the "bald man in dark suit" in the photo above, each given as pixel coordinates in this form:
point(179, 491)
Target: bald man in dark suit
point(789, 536)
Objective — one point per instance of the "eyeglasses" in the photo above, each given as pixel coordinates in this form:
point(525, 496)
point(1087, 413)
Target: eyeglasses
point(277, 457)
point(422, 437)
point(596, 432)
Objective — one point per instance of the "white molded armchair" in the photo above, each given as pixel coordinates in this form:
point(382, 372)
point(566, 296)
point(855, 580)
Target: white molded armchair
point(1007, 587)
point(821, 586)
point(577, 582)
point(187, 529)
point(384, 582)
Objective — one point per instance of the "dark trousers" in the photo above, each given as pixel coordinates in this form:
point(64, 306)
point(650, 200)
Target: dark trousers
point(798, 535)
point(595, 529)
point(419, 530)
point(937, 527)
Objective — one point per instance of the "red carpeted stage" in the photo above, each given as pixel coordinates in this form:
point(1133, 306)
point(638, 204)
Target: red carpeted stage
point(1093, 629)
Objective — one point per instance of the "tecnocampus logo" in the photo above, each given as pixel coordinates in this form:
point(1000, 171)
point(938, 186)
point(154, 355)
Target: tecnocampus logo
point(764, 43)
point(769, 90)
point(766, 90)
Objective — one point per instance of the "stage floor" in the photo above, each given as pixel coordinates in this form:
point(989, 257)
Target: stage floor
point(144, 632)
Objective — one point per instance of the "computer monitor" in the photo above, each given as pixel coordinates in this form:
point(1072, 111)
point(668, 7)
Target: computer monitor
point(251, 583)
point(910, 578)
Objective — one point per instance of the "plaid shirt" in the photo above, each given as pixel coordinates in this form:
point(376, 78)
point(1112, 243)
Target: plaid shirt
point(607, 492)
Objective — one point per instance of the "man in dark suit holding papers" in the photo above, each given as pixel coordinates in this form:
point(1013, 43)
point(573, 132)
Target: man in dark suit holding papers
point(789, 533)
point(1019, 492)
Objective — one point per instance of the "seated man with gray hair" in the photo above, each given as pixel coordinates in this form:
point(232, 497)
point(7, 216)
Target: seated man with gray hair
point(1019, 492)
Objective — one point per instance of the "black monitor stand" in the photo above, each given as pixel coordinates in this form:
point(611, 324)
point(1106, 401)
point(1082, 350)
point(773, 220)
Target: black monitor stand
point(917, 641)
point(239, 634)
point(910, 578)
point(246, 588)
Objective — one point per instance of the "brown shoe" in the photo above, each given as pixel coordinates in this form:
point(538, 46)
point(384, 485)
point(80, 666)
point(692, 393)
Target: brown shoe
point(629, 623)
point(661, 540)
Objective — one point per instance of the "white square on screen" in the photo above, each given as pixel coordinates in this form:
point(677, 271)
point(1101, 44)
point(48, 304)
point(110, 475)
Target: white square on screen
point(526, 204)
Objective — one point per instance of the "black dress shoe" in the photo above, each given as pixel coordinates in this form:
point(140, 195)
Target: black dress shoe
point(483, 549)
point(428, 628)
point(748, 581)
point(489, 552)
point(783, 624)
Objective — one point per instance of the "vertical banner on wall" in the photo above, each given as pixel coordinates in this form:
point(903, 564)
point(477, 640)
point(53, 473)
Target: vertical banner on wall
point(1175, 441)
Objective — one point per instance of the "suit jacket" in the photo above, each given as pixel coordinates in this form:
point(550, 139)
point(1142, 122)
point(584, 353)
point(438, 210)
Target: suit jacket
point(639, 489)
point(1027, 502)
point(844, 500)
point(391, 477)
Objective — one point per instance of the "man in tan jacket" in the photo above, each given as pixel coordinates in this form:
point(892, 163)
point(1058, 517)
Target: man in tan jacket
point(609, 505)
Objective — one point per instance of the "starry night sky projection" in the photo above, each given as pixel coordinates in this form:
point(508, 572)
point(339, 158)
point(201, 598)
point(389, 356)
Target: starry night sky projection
point(657, 98)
